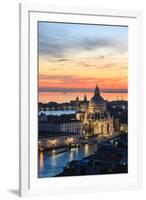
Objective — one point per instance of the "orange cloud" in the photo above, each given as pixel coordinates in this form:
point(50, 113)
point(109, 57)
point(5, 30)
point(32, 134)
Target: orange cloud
point(46, 81)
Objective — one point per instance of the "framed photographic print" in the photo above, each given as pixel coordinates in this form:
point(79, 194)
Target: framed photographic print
point(80, 100)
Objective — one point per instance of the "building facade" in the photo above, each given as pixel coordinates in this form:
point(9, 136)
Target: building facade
point(96, 119)
point(58, 140)
point(72, 127)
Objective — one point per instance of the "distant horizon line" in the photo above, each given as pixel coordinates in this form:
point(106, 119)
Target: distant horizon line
point(82, 90)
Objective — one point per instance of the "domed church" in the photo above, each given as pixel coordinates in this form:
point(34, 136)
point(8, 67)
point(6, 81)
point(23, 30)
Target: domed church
point(97, 120)
point(97, 103)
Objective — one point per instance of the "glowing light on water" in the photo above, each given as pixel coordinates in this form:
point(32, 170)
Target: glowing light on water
point(41, 161)
point(86, 149)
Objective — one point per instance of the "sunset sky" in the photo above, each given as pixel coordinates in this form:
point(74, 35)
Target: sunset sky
point(75, 57)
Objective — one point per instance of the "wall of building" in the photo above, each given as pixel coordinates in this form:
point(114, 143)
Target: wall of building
point(69, 127)
point(48, 127)
point(104, 127)
point(59, 140)
point(73, 127)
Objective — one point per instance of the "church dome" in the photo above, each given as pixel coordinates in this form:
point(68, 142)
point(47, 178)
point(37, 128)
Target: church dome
point(97, 103)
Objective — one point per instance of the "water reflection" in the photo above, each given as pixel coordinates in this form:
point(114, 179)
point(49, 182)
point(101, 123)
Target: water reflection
point(77, 150)
point(52, 163)
point(41, 165)
point(86, 150)
point(71, 155)
point(53, 158)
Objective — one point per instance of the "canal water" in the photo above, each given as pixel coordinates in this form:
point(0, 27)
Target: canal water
point(51, 163)
point(58, 112)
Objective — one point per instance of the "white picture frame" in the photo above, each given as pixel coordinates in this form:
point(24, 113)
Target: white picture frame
point(30, 184)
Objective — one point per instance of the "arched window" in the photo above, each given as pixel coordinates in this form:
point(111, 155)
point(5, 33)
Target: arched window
point(102, 126)
point(108, 128)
